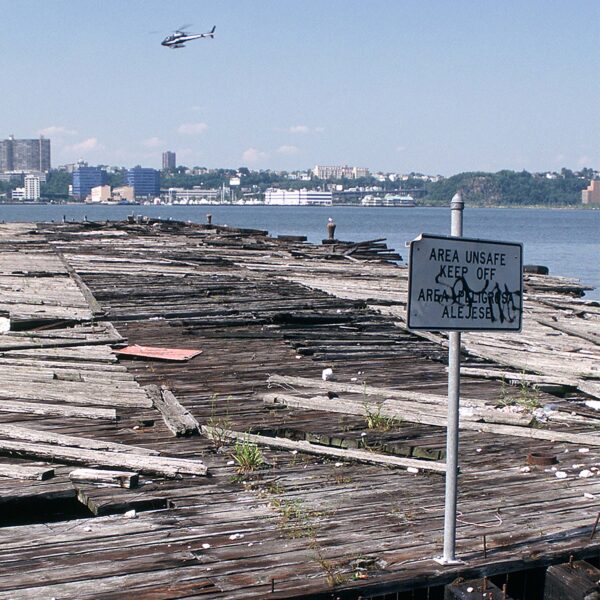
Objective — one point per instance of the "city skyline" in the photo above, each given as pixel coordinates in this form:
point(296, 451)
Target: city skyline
point(427, 87)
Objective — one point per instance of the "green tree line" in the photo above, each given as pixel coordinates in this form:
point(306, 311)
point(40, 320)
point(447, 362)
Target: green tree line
point(510, 188)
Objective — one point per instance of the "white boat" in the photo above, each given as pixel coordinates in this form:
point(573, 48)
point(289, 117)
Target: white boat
point(406, 201)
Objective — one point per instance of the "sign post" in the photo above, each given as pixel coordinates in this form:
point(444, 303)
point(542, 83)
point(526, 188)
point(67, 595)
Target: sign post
point(459, 284)
point(456, 230)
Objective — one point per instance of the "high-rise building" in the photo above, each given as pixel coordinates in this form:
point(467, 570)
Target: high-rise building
point(24, 155)
point(32, 187)
point(169, 160)
point(145, 182)
point(6, 160)
point(86, 178)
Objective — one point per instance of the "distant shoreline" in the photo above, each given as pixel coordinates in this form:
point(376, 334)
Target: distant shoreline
point(503, 206)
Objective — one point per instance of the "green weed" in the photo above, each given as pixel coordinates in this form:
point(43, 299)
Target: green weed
point(526, 396)
point(248, 456)
point(331, 570)
point(377, 421)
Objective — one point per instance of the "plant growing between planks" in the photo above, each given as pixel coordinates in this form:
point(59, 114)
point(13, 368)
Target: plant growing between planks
point(375, 420)
point(248, 457)
point(528, 397)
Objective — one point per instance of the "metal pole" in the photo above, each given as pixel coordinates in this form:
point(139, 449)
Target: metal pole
point(456, 211)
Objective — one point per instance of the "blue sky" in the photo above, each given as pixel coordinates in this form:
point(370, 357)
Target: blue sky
point(434, 86)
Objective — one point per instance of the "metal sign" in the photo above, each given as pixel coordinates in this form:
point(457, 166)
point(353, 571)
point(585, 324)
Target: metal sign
point(462, 284)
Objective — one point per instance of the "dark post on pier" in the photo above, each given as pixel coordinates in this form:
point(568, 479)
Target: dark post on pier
point(330, 230)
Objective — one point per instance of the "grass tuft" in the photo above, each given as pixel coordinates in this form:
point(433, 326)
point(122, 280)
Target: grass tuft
point(248, 457)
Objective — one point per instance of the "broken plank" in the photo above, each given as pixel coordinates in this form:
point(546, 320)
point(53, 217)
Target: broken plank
point(57, 410)
point(584, 439)
point(75, 393)
point(16, 471)
point(16, 432)
point(589, 336)
point(363, 456)
point(177, 418)
point(365, 390)
point(124, 479)
point(411, 412)
point(34, 344)
point(501, 374)
point(153, 465)
point(94, 305)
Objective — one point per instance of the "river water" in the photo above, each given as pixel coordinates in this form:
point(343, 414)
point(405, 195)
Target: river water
point(566, 241)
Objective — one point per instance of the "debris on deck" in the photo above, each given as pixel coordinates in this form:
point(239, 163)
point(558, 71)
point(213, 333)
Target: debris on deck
point(245, 472)
point(174, 354)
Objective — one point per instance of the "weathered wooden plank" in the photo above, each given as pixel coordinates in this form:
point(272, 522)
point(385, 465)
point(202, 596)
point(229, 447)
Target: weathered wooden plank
point(387, 410)
point(177, 419)
point(164, 580)
point(17, 432)
point(365, 390)
point(58, 410)
point(35, 363)
point(400, 411)
point(17, 471)
point(344, 454)
point(71, 392)
point(23, 344)
point(124, 479)
point(153, 465)
point(501, 374)
point(94, 305)
point(589, 336)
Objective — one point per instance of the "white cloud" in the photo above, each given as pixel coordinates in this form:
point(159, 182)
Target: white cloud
point(299, 129)
point(153, 142)
point(400, 148)
point(85, 145)
point(192, 128)
point(56, 130)
point(252, 155)
point(288, 150)
point(319, 129)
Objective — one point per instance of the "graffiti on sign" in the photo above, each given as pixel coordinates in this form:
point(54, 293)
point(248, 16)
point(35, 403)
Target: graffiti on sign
point(463, 284)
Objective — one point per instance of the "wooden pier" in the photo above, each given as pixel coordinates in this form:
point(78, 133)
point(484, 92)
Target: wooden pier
point(122, 475)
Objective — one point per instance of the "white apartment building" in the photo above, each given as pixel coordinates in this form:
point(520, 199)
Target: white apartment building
point(32, 187)
point(339, 172)
point(298, 198)
point(18, 194)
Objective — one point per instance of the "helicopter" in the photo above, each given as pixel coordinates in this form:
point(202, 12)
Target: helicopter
point(178, 38)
